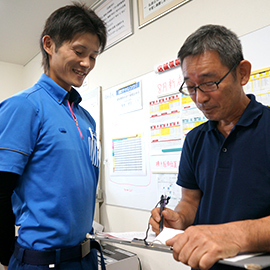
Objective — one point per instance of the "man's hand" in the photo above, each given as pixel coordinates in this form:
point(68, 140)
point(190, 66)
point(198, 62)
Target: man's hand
point(171, 219)
point(203, 245)
point(182, 216)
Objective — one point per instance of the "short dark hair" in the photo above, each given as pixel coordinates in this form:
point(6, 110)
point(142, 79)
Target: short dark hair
point(64, 23)
point(213, 38)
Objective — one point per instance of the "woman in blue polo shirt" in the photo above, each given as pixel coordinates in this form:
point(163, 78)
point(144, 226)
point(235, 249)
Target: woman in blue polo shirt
point(48, 155)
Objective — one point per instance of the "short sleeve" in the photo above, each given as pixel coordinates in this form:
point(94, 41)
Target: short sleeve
point(186, 175)
point(19, 126)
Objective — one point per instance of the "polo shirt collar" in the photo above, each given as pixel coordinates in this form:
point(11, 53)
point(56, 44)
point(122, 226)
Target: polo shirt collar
point(58, 93)
point(252, 112)
point(73, 96)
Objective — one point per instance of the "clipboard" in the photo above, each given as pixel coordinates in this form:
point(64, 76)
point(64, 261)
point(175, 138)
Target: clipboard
point(133, 243)
point(249, 261)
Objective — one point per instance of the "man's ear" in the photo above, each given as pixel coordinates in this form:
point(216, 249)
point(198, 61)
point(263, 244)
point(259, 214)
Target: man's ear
point(244, 70)
point(48, 44)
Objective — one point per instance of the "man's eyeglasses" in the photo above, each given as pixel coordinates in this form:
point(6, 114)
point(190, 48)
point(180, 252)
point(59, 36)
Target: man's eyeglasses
point(204, 87)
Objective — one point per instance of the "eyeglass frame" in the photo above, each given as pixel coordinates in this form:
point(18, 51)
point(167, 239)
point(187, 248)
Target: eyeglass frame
point(217, 83)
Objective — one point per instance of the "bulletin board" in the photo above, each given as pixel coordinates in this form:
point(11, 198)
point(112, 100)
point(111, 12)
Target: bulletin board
point(145, 121)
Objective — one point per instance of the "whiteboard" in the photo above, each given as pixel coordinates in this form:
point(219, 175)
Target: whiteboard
point(139, 189)
point(142, 190)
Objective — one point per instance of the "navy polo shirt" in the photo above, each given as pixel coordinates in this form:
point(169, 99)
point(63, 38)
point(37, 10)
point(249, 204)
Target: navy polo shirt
point(55, 198)
point(233, 173)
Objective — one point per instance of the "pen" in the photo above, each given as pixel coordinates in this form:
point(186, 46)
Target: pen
point(162, 205)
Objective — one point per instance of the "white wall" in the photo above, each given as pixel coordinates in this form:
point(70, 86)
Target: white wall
point(161, 40)
point(11, 77)
point(137, 55)
point(15, 78)
point(32, 71)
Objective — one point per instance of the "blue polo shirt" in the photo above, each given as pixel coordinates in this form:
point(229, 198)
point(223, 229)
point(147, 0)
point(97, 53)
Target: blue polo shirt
point(55, 198)
point(233, 173)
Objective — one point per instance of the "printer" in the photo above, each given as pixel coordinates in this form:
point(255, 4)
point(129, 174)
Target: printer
point(119, 259)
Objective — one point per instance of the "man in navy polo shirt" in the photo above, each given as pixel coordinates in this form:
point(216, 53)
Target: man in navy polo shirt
point(224, 170)
point(48, 156)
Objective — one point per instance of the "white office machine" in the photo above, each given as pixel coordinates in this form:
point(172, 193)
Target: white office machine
point(119, 259)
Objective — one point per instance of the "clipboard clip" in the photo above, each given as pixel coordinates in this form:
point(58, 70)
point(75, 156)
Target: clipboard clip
point(142, 242)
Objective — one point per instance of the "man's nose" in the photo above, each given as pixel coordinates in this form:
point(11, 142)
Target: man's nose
point(201, 96)
point(85, 62)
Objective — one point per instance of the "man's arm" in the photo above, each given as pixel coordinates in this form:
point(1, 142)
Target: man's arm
point(7, 223)
point(203, 245)
point(183, 215)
